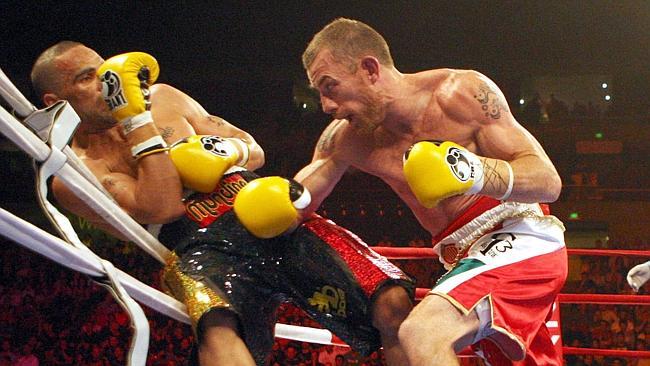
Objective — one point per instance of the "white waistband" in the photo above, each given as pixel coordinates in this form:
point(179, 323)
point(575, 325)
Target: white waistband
point(486, 222)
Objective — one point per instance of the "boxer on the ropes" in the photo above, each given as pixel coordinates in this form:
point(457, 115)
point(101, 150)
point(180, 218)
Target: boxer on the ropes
point(148, 143)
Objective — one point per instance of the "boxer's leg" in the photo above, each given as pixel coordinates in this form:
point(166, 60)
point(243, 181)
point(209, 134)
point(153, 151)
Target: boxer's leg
point(390, 307)
point(220, 342)
point(435, 330)
point(368, 296)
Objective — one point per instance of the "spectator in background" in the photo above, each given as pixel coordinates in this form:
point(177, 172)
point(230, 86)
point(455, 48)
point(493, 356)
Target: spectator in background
point(292, 356)
point(339, 360)
point(7, 354)
point(586, 285)
point(328, 354)
point(534, 110)
point(642, 345)
point(557, 109)
point(27, 357)
point(308, 354)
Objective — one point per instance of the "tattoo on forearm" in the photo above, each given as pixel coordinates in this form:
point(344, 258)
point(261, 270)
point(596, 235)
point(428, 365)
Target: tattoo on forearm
point(492, 180)
point(216, 120)
point(166, 132)
point(491, 104)
point(325, 142)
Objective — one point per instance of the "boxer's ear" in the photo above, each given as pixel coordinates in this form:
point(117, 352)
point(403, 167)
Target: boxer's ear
point(50, 98)
point(370, 66)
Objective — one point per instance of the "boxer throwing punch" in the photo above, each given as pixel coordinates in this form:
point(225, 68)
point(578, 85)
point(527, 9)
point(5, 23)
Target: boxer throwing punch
point(446, 142)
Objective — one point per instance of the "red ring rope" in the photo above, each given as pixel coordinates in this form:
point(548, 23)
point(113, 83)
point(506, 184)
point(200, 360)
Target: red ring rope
point(605, 352)
point(604, 299)
point(420, 293)
point(419, 253)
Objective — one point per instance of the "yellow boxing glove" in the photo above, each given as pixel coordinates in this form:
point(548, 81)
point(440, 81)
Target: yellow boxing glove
point(201, 160)
point(125, 87)
point(436, 171)
point(267, 207)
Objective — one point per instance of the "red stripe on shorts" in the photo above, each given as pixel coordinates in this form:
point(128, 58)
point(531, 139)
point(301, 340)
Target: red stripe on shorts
point(369, 268)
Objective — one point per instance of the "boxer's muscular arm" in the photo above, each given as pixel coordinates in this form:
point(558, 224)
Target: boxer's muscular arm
point(148, 187)
point(72, 203)
point(477, 101)
point(153, 197)
point(326, 168)
point(206, 124)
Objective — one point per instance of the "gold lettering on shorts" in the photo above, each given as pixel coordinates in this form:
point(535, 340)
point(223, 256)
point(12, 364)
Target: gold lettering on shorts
point(214, 204)
point(329, 300)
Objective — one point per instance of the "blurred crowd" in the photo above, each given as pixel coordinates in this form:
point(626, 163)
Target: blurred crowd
point(52, 316)
point(621, 327)
point(552, 109)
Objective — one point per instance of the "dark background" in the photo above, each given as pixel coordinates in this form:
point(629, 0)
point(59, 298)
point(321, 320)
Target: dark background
point(235, 56)
point(241, 60)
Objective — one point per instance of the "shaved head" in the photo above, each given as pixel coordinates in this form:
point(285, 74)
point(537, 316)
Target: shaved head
point(348, 40)
point(44, 75)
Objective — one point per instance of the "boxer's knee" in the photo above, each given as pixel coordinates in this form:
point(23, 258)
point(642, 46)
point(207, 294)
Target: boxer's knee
point(438, 326)
point(217, 324)
point(220, 340)
point(391, 306)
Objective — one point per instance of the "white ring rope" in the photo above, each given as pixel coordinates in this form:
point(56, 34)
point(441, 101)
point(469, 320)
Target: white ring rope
point(46, 244)
point(22, 137)
point(14, 97)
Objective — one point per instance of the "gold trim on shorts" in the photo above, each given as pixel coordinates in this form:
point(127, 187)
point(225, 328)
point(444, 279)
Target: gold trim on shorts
point(198, 297)
point(464, 237)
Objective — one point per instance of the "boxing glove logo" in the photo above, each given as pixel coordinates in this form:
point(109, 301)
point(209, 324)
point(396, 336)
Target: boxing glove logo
point(459, 164)
point(217, 146)
point(112, 90)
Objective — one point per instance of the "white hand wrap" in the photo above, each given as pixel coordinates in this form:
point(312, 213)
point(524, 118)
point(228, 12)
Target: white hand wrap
point(243, 147)
point(511, 183)
point(477, 170)
point(131, 123)
point(149, 146)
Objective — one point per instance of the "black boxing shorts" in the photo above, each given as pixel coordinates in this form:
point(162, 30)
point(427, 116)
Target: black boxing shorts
point(322, 268)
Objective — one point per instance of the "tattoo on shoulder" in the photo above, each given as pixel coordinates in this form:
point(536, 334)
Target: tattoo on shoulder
point(216, 120)
point(109, 182)
point(166, 132)
point(491, 103)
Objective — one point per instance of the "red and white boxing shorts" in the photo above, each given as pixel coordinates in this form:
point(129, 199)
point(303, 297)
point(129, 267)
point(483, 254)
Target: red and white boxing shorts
point(507, 262)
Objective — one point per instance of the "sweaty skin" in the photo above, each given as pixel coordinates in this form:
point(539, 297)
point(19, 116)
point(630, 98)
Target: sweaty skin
point(379, 113)
point(148, 189)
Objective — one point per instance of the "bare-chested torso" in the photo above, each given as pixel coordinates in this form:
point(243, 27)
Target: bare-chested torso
point(381, 154)
point(108, 150)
